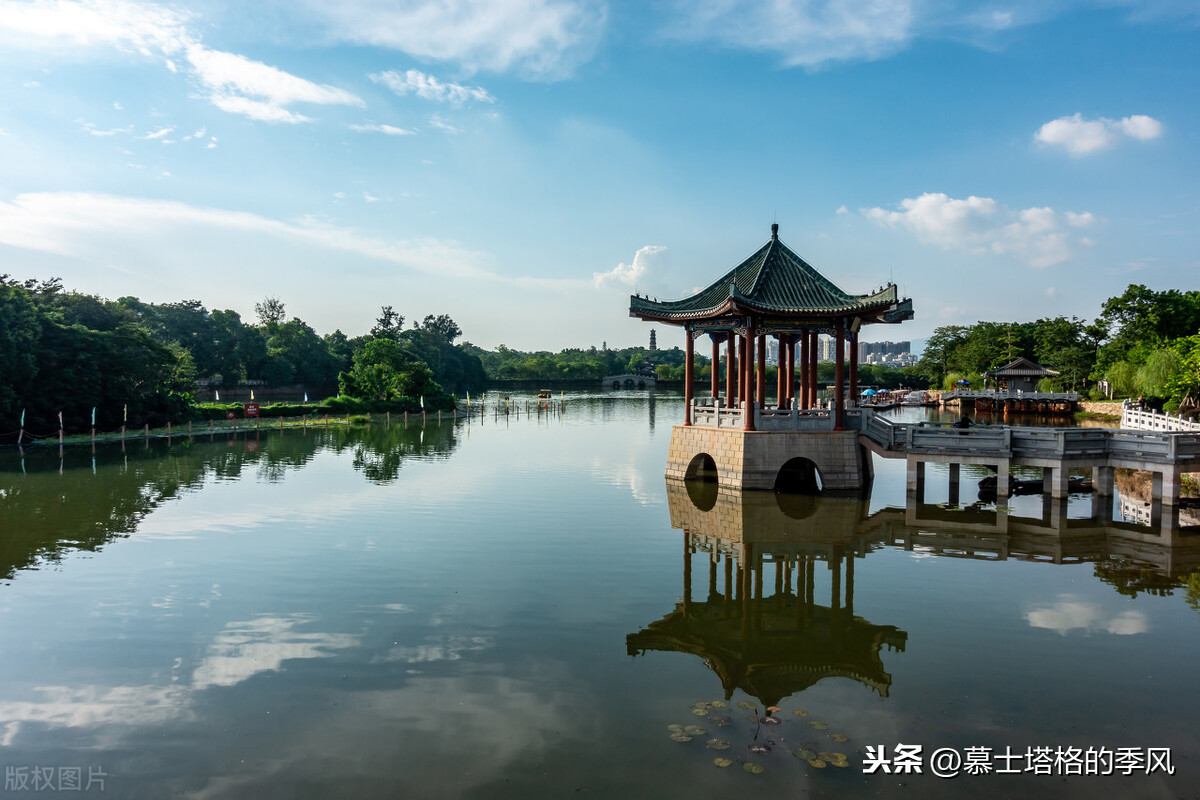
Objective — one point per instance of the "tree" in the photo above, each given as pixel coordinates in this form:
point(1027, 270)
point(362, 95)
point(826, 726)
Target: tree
point(270, 312)
point(442, 326)
point(389, 325)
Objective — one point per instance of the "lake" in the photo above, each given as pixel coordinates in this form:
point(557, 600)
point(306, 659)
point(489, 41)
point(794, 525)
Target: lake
point(510, 608)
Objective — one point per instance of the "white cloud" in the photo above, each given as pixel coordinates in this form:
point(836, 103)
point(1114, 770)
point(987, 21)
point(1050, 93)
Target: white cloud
point(258, 90)
point(1068, 615)
point(802, 33)
point(842, 210)
point(158, 134)
point(234, 83)
point(629, 274)
point(390, 130)
point(979, 225)
point(1080, 137)
point(247, 648)
point(442, 124)
point(543, 39)
point(430, 88)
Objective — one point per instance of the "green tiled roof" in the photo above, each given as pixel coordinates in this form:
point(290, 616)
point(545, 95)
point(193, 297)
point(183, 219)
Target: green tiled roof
point(774, 281)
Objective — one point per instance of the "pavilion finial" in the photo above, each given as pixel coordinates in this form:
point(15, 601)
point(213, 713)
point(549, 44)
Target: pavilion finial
point(774, 230)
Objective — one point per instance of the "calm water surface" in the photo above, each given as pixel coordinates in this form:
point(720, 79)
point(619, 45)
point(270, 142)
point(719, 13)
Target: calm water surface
point(512, 609)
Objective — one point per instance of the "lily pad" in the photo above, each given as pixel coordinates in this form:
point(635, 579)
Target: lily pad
point(700, 704)
point(817, 725)
point(720, 720)
point(700, 712)
point(747, 705)
point(680, 737)
point(827, 756)
point(674, 728)
point(718, 704)
point(818, 763)
point(717, 744)
point(751, 767)
point(799, 712)
point(722, 762)
point(842, 764)
point(694, 730)
point(805, 754)
point(839, 737)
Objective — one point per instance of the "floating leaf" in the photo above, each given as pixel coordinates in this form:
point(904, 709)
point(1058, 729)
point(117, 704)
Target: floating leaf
point(800, 712)
point(722, 762)
point(827, 756)
point(675, 728)
point(700, 712)
point(680, 737)
point(818, 763)
point(701, 704)
point(718, 744)
point(747, 705)
point(759, 749)
point(718, 704)
point(771, 720)
point(753, 768)
point(805, 754)
point(839, 737)
point(842, 764)
point(720, 721)
point(694, 730)
point(773, 709)
point(817, 725)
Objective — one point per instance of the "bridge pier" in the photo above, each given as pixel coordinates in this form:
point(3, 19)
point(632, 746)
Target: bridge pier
point(915, 473)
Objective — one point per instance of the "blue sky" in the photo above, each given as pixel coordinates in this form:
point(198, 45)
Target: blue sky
point(524, 165)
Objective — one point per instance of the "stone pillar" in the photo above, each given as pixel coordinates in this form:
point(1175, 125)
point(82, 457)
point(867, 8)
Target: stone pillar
point(689, 378)
point(760, 384)
point(1055, 481)
point(853, 399)
point(915, 479)
point(731, 391)
point(954, 482)
point(839, 377)
point(1001, 481)
point(715, 388)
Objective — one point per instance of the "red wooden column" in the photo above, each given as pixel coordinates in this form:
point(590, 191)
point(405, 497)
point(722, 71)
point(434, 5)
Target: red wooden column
point(760, 391)
point(839, 375)
point(731, 370)
point(854, 369)
point(791, 370)
point(748, 372)
point(812, 369)
point(715, 366)
point(804, 371)
point(689, 376)
point(781, 371)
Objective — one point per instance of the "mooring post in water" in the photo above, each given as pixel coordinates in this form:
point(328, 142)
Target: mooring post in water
point(147, 430)
point(326, 420)
point(189, 427)
point(168, 429)
point(93, 436)
point(389, 419)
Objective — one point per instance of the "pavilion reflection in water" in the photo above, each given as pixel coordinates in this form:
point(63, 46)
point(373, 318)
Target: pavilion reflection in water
point(760, 626)
point(771, 645)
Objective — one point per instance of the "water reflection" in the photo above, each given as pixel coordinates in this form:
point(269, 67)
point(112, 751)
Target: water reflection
point(777, 642)
point(80, 498)
point(771, 643)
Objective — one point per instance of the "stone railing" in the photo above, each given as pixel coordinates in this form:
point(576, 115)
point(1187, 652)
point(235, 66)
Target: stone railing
point(1150, 420)
point(710, 413)
point(996, 393)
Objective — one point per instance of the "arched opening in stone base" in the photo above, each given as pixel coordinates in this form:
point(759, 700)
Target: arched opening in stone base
point(798, 476)
point(701, 482)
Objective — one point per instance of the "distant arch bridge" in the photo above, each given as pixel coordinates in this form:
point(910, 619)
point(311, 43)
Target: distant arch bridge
point(629, 382)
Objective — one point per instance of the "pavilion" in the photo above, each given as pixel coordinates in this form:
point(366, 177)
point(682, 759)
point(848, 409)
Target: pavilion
point(776, 293)
point(1021, 374)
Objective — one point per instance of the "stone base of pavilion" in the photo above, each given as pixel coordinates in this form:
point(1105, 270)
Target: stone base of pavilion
point(754, 459)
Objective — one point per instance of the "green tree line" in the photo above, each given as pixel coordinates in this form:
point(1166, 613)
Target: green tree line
point(68, 352)
point(1143, 342)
